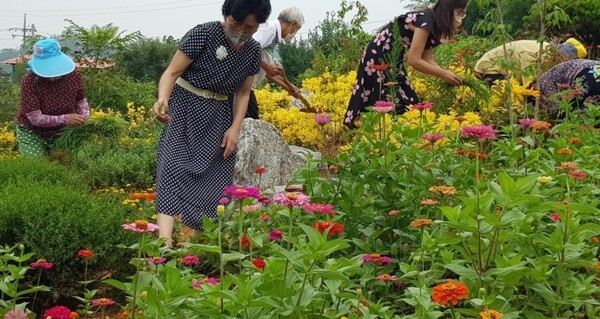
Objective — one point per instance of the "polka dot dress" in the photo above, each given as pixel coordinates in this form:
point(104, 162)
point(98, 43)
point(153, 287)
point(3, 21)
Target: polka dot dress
point(192, 173)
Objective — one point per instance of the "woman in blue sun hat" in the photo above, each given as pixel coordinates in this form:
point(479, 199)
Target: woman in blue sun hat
point(52, 97)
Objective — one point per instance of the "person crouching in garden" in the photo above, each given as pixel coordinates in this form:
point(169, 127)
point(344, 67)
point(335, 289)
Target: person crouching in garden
point(196, 151)
point(577, 79)
point(52, 97)
point(521, 55)
point(269, 35)
point(420, 31)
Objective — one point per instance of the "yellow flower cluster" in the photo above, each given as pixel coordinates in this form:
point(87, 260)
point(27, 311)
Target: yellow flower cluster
point(328, 94)
point(7, 142)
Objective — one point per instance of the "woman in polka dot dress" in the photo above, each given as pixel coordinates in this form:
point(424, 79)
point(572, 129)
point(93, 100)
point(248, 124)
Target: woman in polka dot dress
point(196, 152)
point(52, 97)
point(420, 31)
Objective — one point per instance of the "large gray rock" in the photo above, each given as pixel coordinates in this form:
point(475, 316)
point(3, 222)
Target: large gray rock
point(261, 145)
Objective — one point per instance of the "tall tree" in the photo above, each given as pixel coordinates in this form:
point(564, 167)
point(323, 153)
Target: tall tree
point(147, 58)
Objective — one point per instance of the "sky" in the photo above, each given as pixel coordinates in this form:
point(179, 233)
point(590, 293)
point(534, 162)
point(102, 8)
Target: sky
point(155, 18)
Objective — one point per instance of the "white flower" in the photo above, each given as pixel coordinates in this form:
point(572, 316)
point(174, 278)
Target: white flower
point(221, 53)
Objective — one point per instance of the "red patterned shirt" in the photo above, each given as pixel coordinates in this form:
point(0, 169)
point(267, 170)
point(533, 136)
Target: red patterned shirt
point(45, 102)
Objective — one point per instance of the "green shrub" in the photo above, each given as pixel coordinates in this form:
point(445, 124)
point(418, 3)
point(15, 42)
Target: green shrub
point(9, 100)
point(112, 90)
point(40, 171)
point(54, 221)
point(104, 166)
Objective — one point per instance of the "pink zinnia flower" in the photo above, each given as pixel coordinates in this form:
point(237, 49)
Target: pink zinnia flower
point(393, 212)
point(190, 260)
point(432, 138)
point(422, 106)
point(383, 106)
point(525, 123)
point(252, 208)
point(141, 226)
point(58, 312)
point(319, 208)
point(157, 260)
point(481, 132)
point(265, 217)
point(41, 263)
point(241, 192)
point(291, 199)
point(377, 259)
point(386, 277)
point(15, 314)
point(322, 118)
point(224, 201)
point(579, 175)
point(102, 302)
point(275, 235)
point(555, 217)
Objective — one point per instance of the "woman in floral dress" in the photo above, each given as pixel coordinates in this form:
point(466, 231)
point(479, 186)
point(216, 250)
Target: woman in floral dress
point(421, 31)
point(579, 79)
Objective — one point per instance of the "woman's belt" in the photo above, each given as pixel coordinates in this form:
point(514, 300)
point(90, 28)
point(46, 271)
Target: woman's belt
point(207, 94)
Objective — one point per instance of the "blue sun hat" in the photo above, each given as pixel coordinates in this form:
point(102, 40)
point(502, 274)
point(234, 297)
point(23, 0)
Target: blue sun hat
point(567, 49)
point(48, 60)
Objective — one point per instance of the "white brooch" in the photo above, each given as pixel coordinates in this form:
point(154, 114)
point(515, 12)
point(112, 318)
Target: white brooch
point(221, 53)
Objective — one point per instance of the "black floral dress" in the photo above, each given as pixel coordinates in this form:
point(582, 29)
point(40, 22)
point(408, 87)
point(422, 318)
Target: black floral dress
point(367, 86)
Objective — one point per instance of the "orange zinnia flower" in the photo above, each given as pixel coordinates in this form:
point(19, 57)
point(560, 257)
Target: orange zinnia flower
point(449, 292)
point(574, 140)
point(428, 202)
point(419, 223)
point(86, 253)
point(379, 67)
point(490, 314)
point(540, 125)
point(444, 190)
point(564, 151)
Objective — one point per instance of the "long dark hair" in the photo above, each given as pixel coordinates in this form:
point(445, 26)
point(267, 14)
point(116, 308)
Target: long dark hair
point(240, 9)
point(443, 17)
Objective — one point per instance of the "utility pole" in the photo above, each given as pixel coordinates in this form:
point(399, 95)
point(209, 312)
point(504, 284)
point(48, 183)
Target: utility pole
point(25, 29)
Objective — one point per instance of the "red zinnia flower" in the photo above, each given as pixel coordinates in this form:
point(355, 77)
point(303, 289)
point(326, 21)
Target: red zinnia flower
point(245, 242)
point(85, 254)
point(260, 170)
point(58, 312)
point(450, 292)
point(259, 263)
point(336, 228)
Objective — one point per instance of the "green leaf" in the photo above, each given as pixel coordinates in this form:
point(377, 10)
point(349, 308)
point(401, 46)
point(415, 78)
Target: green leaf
point(233, 256)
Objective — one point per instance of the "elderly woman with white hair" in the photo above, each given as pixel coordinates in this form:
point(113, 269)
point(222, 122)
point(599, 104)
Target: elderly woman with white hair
point(269, 35)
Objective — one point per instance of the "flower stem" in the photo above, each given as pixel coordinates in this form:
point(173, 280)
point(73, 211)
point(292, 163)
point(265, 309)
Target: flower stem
point(136, 277)
point(221, 264)
point(38, 284)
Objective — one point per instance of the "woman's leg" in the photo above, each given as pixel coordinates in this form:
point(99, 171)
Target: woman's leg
point(166, 224)
point(30, 144)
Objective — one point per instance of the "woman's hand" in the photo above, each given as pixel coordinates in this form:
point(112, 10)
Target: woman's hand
point(75, 119)
point(230, 141)
point(161, 109)
point(451, 78)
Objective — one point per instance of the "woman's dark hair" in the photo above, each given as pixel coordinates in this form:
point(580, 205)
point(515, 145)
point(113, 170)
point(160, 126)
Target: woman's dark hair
point(443, 17)
point(240, 9)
